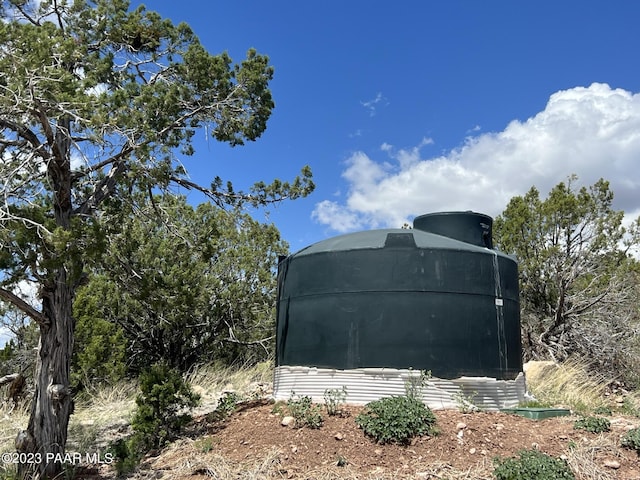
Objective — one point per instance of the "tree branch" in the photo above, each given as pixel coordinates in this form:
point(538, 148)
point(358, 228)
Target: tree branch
point(23, 306)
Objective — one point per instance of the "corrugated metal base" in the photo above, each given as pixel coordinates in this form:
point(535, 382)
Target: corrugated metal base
point(367, 384)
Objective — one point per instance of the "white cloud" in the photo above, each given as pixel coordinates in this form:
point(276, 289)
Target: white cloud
point(591, 131)
point(372, 105)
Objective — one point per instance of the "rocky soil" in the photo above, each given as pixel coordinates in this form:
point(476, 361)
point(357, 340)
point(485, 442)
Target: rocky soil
point(253, 444)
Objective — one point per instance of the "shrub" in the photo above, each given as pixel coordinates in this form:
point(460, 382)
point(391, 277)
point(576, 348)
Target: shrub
point(631, 440)
point(333, 399)
point(592, 424)
point(164, 393)
point(532, 465)
point(396, 419)
point(157, 419)
point(305, 412)
point(127, 452)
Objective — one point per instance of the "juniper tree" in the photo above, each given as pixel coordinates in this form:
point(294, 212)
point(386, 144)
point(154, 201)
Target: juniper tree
point(578, 281)
point(97, 101)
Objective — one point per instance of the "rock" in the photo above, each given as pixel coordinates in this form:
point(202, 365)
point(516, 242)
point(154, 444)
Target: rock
point(499, 426)
point(294, 449)
point(472, 451)
point(338, 436)
point(377, 451)
point(288, 421)
point(461, 426)
point(614, 464)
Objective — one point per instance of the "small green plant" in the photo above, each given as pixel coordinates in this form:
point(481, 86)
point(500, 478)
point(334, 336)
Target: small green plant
point(631, 440)
point(603, 411)
point(127, 454)
point(333, 400)
point(415, 384)
point(205, 444)
point(227, 404)
point(279, 407)
point(533, 404)
point(464, 401)
point(532, 465)
point(593, 424)
point(630, 407)
point(304, 411)
point(341, 461)
point(396, 419)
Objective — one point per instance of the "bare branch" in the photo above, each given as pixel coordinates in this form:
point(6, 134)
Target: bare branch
point(23, 306)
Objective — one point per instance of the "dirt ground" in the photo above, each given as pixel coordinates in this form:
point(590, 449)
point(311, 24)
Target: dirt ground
point(252, 443)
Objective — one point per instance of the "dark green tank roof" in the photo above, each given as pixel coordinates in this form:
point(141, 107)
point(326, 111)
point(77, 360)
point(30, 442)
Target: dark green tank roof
point(390, 237)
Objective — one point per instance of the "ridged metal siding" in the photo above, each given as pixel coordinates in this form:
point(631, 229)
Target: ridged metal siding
point(368, 384)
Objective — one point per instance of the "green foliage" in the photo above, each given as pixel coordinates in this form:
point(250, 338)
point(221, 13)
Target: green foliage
point(8, 472)
point(415, 384)
point(186, 284)
point(127, 453)
point(577, 283)
point(164, 394)
point(205, 444)
point(532, 465)
point(396, 419)
point(7, 355)
point(464, 401)
point(334, 399)
point(534, 404)
point(603, 411)
point(100, 346)
point(630, 406)
point(593, 424)
point(304, 411)
point(631, 440)
point(164, 399)
point(279, 407)
point(227, 404)
point(98, 101)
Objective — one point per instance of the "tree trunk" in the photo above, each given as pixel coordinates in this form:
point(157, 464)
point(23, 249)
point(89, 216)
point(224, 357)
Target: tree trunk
point(46, 434)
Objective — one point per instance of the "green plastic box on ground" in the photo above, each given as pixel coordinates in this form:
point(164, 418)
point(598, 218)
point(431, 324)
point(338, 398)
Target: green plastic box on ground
point(538, 413)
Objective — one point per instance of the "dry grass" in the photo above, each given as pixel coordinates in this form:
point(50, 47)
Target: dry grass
point(582, 458)
point(185, 458)
point(12, 420)
point(569, 384)
point(211, 381)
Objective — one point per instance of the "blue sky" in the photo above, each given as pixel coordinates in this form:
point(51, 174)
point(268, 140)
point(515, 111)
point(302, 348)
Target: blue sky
point(412, 107)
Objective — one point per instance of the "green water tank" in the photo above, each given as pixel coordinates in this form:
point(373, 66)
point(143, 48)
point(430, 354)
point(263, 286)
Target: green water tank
point(436, 297)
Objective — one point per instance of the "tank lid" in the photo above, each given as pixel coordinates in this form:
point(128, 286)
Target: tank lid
point(469, 227)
